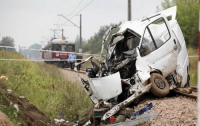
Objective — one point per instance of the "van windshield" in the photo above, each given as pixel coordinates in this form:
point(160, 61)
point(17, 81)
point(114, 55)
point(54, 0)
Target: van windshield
point(122, 42)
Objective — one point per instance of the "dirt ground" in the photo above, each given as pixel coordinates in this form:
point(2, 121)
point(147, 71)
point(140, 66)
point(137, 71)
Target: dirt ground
point(29, 114)
point(4, 121)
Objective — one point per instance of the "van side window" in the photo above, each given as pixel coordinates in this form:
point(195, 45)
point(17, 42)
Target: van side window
point(155, 35)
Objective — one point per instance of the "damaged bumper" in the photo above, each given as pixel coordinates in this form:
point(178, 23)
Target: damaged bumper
point(107, 87)
point(116, 108)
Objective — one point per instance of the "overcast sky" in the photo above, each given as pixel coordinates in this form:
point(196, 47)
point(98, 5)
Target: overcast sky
point(30, 21)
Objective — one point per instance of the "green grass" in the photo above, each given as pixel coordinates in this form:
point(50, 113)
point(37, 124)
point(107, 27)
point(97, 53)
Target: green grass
point(193, 66)
point(10, 111)
point(44, 86)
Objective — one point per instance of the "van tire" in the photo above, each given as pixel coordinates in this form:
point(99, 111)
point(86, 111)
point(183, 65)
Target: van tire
point(159, 85)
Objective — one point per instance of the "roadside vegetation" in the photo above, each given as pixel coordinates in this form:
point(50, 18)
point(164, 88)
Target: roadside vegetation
point(193, 59)
point(44, 86)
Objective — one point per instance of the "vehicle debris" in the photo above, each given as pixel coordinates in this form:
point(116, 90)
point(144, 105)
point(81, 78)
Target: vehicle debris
point(138, 120)
point(141, 111)
point(131, 115)
point(3, 78)
point(143, 55)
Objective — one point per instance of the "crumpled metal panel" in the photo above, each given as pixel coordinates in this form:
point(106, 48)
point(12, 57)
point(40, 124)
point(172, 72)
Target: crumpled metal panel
point(117, 107)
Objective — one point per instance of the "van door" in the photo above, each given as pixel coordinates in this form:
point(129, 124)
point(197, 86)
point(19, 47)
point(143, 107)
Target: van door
point(158, 46)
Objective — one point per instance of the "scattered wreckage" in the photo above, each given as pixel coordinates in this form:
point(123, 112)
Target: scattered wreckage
point(144, 55)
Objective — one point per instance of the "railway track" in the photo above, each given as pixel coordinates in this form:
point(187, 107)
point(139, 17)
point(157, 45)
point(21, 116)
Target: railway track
point(189, 91)
point(167, 109)
point(81, 71)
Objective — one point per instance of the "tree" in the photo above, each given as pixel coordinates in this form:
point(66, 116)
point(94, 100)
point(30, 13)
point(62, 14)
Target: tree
point(187, 17)
point(7, 41)
point(165, 4)
point(77, 43)
point(95, 42)
point(32, 54)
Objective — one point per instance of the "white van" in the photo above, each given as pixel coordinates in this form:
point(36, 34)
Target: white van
point(144, 55)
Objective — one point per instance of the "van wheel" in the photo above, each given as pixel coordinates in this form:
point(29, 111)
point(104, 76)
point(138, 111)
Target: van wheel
point(159, 85)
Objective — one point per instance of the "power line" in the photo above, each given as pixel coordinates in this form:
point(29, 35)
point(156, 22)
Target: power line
point(68, 20)
point(69, 14)
point(75, 8)
point(82, 9)
point(77, 13)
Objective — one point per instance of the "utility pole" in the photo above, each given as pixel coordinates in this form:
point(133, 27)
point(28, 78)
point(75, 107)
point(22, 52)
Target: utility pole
point(129, 10)
point(80, 48)
point(129, 19)
point(54, 31)
point(62, 34)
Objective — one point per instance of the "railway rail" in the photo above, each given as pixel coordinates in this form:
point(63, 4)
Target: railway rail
point(188, 91)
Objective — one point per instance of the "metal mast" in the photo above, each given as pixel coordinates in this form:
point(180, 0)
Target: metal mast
point(129, 10)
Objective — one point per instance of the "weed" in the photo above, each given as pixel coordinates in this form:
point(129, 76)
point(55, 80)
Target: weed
point(44, 86)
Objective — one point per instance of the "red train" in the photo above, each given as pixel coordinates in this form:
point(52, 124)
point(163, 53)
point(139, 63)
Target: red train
point(57, 51)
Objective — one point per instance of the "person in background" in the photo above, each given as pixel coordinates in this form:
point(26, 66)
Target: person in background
point(72, 58)
point(79, 58)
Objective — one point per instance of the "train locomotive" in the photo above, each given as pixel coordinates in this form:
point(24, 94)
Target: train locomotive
point(57, 52)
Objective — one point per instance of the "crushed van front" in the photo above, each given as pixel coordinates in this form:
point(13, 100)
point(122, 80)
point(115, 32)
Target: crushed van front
point(105, 88)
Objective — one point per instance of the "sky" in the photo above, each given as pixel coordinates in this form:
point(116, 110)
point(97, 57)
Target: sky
point(32, 21)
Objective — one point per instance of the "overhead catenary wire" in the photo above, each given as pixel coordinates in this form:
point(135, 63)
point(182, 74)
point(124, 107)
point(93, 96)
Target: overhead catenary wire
point(76, 13)
point(57, 25)
point(83, 8)
point(75, 9)
point(69, 20)
point(58, 34)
